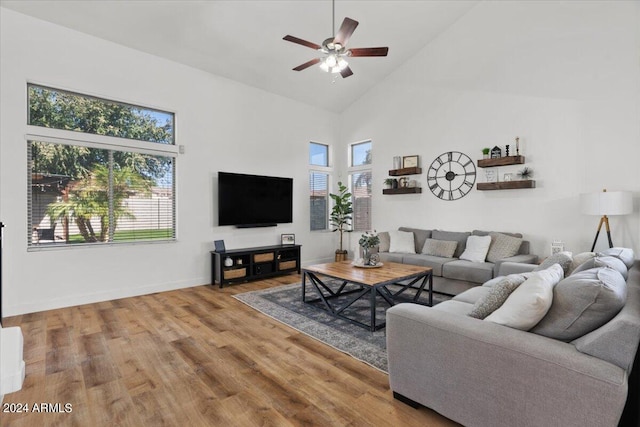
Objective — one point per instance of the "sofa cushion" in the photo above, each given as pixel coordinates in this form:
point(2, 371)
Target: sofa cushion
point(582, 303)
point(580, 259)
point(495, 296)
point(419, 236)
point(455, 307)
point(472, 295)
point(529, 303)
point(401, 242)
point(441, 248)
point(460, 237)
point(604, 261)
point(624, 254)
point(562, 258)
point(476, 249)
point(487, 233)
point(476, 272)
point(390, 257)
point(503, 246)
point(435, 262)
point(384, 241)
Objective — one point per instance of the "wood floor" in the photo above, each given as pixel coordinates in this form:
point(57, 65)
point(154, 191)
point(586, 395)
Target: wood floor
point(194, 357)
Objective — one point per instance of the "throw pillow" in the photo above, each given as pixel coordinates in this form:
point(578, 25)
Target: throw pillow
point(579, 259)
point(582, 303)
point(384, 242)
point(604, 261)
point(502, 246)
point(419, 236)
point(530, 302)
point(496, 296)
point(401, 242)
point(458, 236)
point(625, 254)
point(476, 249)
point(441, 248)
point(562, 258)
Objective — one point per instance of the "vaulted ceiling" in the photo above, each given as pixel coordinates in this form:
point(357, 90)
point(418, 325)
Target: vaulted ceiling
point(242, 40)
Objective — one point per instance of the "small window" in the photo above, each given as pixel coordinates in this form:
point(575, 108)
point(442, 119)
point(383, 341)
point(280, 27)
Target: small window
point(59, 109)
point(361, 154)
point(361, 198)
point(360, 184)
point(319, 200)
point(318, 154)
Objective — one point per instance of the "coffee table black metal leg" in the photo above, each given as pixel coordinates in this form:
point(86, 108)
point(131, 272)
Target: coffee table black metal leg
point(373, 308)
point(304, 285)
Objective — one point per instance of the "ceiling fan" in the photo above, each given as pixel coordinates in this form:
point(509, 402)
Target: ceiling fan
point(335, 49)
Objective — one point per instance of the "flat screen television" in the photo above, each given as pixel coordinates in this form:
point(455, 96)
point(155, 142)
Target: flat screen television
point(253, 200)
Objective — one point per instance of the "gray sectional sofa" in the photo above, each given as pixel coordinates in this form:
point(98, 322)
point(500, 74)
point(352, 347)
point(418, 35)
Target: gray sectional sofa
point(452, 275)
point(573, 368)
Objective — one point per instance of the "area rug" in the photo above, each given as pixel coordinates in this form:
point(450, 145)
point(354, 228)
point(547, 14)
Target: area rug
point(284, 303)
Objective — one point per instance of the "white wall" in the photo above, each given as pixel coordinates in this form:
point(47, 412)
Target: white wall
point(563, 76)
point(223, 125)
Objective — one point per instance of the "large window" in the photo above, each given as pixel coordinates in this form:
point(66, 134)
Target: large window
point(319, 186)
point(360, 182)
point(104, 184)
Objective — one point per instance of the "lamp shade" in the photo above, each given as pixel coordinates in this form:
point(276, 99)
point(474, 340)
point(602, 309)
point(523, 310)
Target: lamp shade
point(606, 203)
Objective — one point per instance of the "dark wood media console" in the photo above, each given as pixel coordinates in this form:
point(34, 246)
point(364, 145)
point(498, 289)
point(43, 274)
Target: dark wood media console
point(254, 263)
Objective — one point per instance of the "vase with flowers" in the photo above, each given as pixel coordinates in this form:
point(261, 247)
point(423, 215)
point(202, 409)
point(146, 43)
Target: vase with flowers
point(368, 241)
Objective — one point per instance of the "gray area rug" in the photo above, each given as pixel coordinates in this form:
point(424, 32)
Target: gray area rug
point(284, 303)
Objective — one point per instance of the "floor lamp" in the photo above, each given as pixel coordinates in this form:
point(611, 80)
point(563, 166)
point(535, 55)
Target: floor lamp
point(606, 203)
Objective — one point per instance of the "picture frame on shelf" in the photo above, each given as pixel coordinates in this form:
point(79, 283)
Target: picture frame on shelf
point(287, 239)
point(507, 177)
point(491, 175)
point(410, 161)
point(219, 245)
point(556, 247)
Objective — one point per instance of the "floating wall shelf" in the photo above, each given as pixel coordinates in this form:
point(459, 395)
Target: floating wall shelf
point(500, 161)
point(507, 185)
point(402, 190)
point(405, 171)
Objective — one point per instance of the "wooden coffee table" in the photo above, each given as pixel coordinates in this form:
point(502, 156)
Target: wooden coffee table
point(370, 282)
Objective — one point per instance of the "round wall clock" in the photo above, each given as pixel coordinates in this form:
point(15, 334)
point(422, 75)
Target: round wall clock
point(451, 175)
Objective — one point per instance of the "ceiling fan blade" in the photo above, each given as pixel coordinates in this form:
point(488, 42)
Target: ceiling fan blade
point(307, 64)
point(369, 51)
point(346, 29)
point(302, 42)
point(346, 72)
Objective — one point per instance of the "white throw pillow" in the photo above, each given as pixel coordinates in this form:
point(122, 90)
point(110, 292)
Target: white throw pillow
point(477, 248)
point(529, 303)
point(401, 242)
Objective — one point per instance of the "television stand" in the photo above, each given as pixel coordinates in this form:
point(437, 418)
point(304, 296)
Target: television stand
point(254, 263)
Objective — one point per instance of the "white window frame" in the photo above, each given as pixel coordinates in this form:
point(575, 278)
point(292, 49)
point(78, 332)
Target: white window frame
point(351, 170)
point(328, 170)
point(90, 140)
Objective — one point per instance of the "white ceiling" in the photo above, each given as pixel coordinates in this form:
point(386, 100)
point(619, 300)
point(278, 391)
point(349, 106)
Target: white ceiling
point(242, 39)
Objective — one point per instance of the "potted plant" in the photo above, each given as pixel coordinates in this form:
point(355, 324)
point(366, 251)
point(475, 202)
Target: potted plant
point(368, 241)
point(525, 173)
point(388, 183)
point(341, 216)
point(485, 152)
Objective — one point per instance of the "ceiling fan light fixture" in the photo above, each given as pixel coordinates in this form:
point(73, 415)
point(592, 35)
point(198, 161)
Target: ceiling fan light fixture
point(333, 63)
